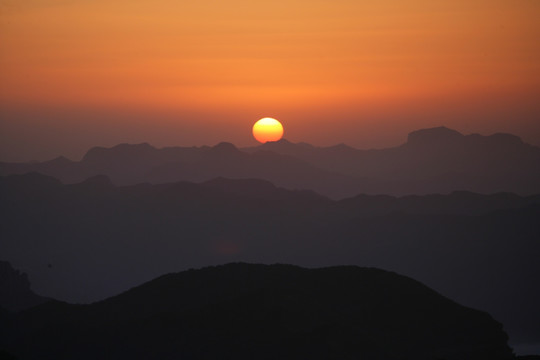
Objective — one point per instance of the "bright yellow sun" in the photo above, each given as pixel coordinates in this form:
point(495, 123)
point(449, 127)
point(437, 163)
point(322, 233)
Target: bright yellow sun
point(267, 129)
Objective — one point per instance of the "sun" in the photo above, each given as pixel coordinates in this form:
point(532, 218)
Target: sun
point(267, 129)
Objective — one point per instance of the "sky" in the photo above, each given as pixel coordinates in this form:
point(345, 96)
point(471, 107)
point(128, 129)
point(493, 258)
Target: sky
point(81, 73)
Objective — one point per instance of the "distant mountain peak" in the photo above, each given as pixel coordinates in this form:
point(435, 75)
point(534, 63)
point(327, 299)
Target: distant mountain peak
point(284, 144)
point(280, 141)
point(224, 151)
point(341, 147)
point(127, 145)
point(224, 147)
point(60, 160)
point(98, 153)
point(436, 135)
point(443, 135)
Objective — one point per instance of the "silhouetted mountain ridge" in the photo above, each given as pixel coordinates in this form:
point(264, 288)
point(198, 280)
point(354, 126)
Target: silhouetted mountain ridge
point(437, 160)
point(444, 137)
point(432, 160)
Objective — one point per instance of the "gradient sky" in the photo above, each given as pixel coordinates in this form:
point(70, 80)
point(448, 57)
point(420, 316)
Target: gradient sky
point(79, 73)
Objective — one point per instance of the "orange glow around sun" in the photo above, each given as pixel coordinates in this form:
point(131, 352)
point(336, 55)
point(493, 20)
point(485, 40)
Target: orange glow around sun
point(267, 129)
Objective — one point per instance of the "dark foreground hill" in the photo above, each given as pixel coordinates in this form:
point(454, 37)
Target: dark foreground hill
point(242, 311)
point(437, 160)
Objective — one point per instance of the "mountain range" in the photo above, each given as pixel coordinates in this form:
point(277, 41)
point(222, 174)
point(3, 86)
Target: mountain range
point(436, 160)
point(87, 241)
point(457, 212)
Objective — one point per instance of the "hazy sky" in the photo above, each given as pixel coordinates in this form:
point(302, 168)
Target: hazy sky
point(79, 73)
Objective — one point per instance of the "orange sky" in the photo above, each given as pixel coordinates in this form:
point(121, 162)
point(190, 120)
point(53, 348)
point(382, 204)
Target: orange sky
point(78, 73)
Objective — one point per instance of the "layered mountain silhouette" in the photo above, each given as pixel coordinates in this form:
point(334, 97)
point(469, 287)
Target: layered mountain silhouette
point(243, 311)
point(88, 241)
point(437, 160)
point(431, 161)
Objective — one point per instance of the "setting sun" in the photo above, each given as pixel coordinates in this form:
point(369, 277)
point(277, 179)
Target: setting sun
point(267, 129)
